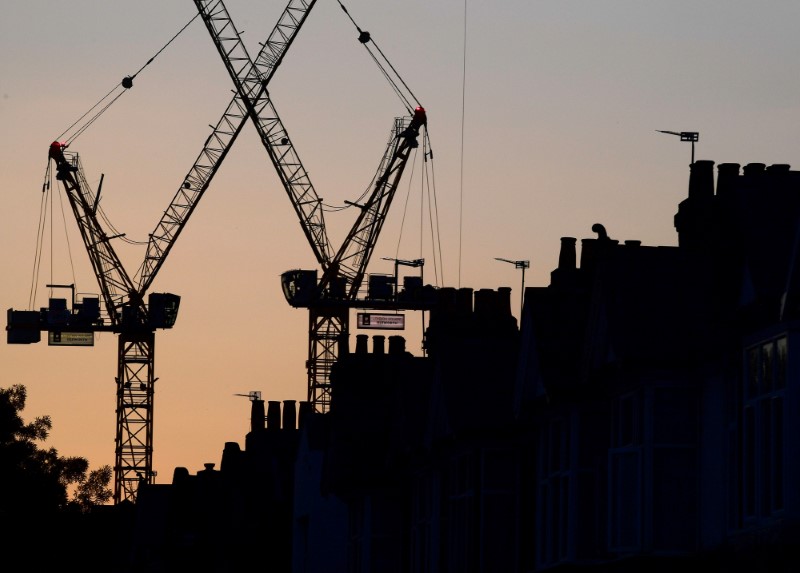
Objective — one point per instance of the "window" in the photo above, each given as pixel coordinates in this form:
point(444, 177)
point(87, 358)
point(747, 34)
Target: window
point(625, 474)
point(553, 492)
point(460, 514)
point(761, 421)
point(653, 479)
point(498, 513)
point(424, 509)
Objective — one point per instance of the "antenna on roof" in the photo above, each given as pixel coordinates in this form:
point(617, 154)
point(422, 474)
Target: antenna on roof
point(691, 136)
point(253, 395)
point(519, 265)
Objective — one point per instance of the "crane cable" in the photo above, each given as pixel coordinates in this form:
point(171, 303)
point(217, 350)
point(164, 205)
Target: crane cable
point(47, 197)
point(37, 258)
point(103, 104)
point(461, 166)
point(433, 207)
point(125, 84)
point(365, 38)
point(429, 184)
point(428, 187)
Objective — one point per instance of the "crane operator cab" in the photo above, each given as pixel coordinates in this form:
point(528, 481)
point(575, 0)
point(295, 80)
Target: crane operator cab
point(299, 286)
point(163, 309)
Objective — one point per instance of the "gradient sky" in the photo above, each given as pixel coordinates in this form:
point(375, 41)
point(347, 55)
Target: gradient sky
point(562, 100)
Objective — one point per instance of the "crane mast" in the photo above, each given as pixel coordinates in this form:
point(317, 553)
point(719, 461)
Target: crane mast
point(330, 300)
point(128, 315)
point(131, 319)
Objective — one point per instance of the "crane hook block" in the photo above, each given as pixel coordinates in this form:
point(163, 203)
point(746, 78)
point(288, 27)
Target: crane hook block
point(127, 82)
point(364, 37)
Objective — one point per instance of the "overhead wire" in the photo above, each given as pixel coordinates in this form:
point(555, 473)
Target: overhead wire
point(461, 168)
point(37, 257)
point(126, 83)
point(66, 237)
point(428, 193)
point(437, 239)
point(399, 77)
point(365, 38)
point(89, 111)
point(406, 97)
point(405, 209)
point(47, 196)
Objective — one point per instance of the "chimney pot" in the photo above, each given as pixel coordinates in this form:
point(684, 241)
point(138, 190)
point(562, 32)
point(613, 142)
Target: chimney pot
point(397, 345)
point(754, 168)
point(727, 174)
point(305, 411)
point(701, 179)
point(378, 344)
point(289, 414)
point(447, 300)
point(485, 301)
point(464, 301)
point(567, 258)
point(361, 344)
point(779, 168)
point(257, 415)
point(273, 415)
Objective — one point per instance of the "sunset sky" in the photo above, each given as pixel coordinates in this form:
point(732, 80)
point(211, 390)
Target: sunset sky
point(543, 126)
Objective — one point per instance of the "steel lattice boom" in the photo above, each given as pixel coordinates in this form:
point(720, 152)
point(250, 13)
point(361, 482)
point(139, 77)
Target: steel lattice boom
point(124, 301)
point(343, 272)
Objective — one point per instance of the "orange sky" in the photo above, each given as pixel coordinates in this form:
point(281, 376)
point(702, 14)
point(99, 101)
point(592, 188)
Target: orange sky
point(561, 104)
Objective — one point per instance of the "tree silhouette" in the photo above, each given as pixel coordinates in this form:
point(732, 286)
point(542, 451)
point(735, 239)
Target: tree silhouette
point(36, 481)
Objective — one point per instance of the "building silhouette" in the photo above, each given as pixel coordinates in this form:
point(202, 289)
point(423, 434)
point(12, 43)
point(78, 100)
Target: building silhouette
point(642, 416)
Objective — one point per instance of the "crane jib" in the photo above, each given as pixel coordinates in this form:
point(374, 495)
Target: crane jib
point(126, 312)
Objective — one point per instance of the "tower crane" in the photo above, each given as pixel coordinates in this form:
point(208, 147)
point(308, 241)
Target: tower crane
point(126, 312)
point(330, 298)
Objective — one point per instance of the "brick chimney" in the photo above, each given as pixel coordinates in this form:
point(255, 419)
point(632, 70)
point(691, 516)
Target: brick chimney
point(697, 219)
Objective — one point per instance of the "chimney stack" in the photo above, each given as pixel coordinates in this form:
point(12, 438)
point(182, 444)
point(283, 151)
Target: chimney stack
point(231, 456)
point(504, 301)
